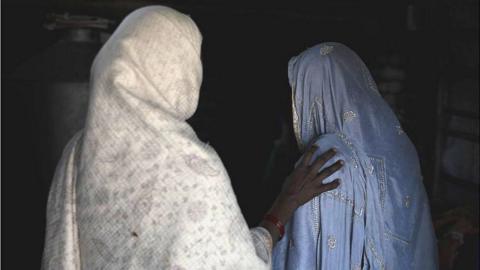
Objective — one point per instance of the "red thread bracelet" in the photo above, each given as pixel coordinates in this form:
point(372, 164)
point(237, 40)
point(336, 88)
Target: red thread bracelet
point(275, 221)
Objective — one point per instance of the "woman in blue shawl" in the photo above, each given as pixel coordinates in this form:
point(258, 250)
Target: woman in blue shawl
point(378, 218)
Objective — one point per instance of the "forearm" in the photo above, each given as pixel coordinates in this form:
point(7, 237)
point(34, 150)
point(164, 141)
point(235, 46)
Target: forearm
point(283, 210)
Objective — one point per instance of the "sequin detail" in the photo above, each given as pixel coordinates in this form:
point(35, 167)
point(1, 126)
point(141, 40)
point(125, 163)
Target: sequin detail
point(368, 78)
point(370, 169)
point(326, 49)
point(332, 242)
point(381, 175)
point(316, 216)
point(407, 201)
point(389, 234)
point(349, 116)
point(350, 146)
point(311, 132)
point(399, 130)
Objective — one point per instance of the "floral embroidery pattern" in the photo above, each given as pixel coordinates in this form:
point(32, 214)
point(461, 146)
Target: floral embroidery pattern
point(350, 146)
point(340, 196)
point(349, 116)
point(331, 241)
point(200, 165)
point(197, 211)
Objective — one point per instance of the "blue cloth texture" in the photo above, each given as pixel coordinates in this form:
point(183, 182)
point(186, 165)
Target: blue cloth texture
point(379, 216)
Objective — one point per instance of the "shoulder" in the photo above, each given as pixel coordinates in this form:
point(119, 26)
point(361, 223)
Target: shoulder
point(345, 149)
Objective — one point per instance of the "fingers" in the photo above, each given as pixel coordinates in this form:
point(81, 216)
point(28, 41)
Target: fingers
point(308, 156)
point(329, 170)
point(327, 187)
point(321, 160)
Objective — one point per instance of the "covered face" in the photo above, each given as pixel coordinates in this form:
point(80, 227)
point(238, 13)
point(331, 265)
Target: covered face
point(153, 63)
point(331, 86)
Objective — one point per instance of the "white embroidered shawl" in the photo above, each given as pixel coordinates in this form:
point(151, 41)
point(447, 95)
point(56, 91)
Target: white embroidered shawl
point(137, 189)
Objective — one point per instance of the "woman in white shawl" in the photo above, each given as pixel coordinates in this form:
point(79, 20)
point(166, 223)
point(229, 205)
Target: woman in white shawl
point(136, 189)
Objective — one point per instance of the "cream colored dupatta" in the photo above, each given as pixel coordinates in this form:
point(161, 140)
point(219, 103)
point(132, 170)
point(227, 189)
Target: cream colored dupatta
point(142, 191)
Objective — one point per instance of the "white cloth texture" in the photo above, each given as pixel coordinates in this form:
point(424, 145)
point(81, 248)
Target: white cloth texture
point(136, 189)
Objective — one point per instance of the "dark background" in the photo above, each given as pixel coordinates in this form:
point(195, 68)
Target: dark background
point(244, 96)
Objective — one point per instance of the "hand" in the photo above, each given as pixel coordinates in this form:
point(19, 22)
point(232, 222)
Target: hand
point(302, 185)
point(306, 182)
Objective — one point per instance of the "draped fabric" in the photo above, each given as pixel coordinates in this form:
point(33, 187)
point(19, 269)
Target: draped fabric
point(379, 217)
point(136, 189)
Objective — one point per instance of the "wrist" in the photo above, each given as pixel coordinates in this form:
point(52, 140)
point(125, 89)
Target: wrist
point(272, 229)
point(283, 209)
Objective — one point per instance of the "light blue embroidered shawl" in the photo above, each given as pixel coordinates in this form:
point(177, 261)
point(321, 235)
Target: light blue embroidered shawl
point(379, 217)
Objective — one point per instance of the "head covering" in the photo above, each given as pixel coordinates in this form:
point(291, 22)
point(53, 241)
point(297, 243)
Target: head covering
point(331, 87)
point(138, 189)
point(334, 96)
